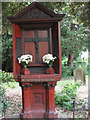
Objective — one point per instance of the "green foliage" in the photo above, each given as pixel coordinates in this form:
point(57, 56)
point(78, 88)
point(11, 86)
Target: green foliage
point(66, 95)
point(82, 64)
point(79, 62)
point(66, 71)
point(73, 41)
point(6, 80)
point(7, 51)
point(3, 99)
point(10, 9)
point(6, 77)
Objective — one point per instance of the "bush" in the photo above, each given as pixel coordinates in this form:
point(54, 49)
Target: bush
point(66, 71)
point(3, 99)
point(66, 95)
point(7, 77)
point(7, 51)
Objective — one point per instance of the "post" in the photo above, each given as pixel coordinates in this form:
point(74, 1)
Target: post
point(26, 111)
point(73, 108)
point(50, 100)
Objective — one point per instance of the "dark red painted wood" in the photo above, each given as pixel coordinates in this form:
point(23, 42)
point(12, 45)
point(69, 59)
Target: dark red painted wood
point(43, 49)
point(39, 78)
point(59, 46)
point(55, 30)
point(42, 33)
point(14, 50)
point(50, 36)
point(55, 46)
point(29, 34)
point(38, 100)
point(41, 64)
point(25, 71)
point(16, 65)
point(26, 111)
point(50, 71)
point(30, 49)
point(38, 95)
point(36, 25)
point(50, 110)
point(39, 20)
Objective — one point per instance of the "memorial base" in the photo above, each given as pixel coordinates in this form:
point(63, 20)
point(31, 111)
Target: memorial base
point(51, 115)
point(38, 100)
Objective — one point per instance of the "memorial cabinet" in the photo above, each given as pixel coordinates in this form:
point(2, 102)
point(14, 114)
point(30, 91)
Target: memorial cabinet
point(36, 31)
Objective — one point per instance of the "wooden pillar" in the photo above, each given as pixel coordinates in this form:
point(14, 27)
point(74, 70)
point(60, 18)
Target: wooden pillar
point(26, 110)
point(50, 101)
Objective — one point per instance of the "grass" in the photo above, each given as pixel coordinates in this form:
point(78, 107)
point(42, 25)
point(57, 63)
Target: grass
point(78, 114)
point(68, 77)
point(63, 82)
point(66, 80)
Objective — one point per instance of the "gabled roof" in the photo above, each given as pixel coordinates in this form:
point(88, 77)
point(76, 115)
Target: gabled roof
point(28, 13)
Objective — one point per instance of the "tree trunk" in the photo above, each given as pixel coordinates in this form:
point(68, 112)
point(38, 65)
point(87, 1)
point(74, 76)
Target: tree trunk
point(70, 60)
point(70, 56)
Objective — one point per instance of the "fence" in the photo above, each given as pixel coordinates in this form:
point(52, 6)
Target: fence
point(73, 109)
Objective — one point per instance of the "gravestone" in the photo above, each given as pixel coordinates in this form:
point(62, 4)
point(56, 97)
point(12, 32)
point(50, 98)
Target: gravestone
point(79, 74)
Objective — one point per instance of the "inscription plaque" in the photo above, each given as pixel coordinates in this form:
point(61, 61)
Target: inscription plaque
point(37, 98)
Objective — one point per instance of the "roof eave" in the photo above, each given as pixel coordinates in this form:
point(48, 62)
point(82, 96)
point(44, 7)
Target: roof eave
point(35, 20)
point(43, 20)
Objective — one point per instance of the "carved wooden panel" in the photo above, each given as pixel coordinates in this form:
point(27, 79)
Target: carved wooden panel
point(42, 33)
point(37, 44)
point(35, 13)
point(29, 34)
point(30, 49)
point(43, 49)
point(38, 98)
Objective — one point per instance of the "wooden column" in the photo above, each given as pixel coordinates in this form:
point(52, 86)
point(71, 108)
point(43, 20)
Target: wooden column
point(50, 101)
point(26, 110)
point(59, 48)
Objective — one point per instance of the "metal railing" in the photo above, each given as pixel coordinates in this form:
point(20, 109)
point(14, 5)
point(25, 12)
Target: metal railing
point(73, 109)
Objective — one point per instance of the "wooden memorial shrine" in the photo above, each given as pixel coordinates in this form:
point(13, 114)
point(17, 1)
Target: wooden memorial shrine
point(36, 31)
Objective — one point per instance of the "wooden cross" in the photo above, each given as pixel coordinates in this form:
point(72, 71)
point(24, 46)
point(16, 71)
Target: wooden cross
point(36, 40)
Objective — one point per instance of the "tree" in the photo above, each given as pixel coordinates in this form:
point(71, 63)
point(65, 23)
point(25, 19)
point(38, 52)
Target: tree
point(73, 42)
point(7, 51)
point(10, 9)
point(74, 32)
